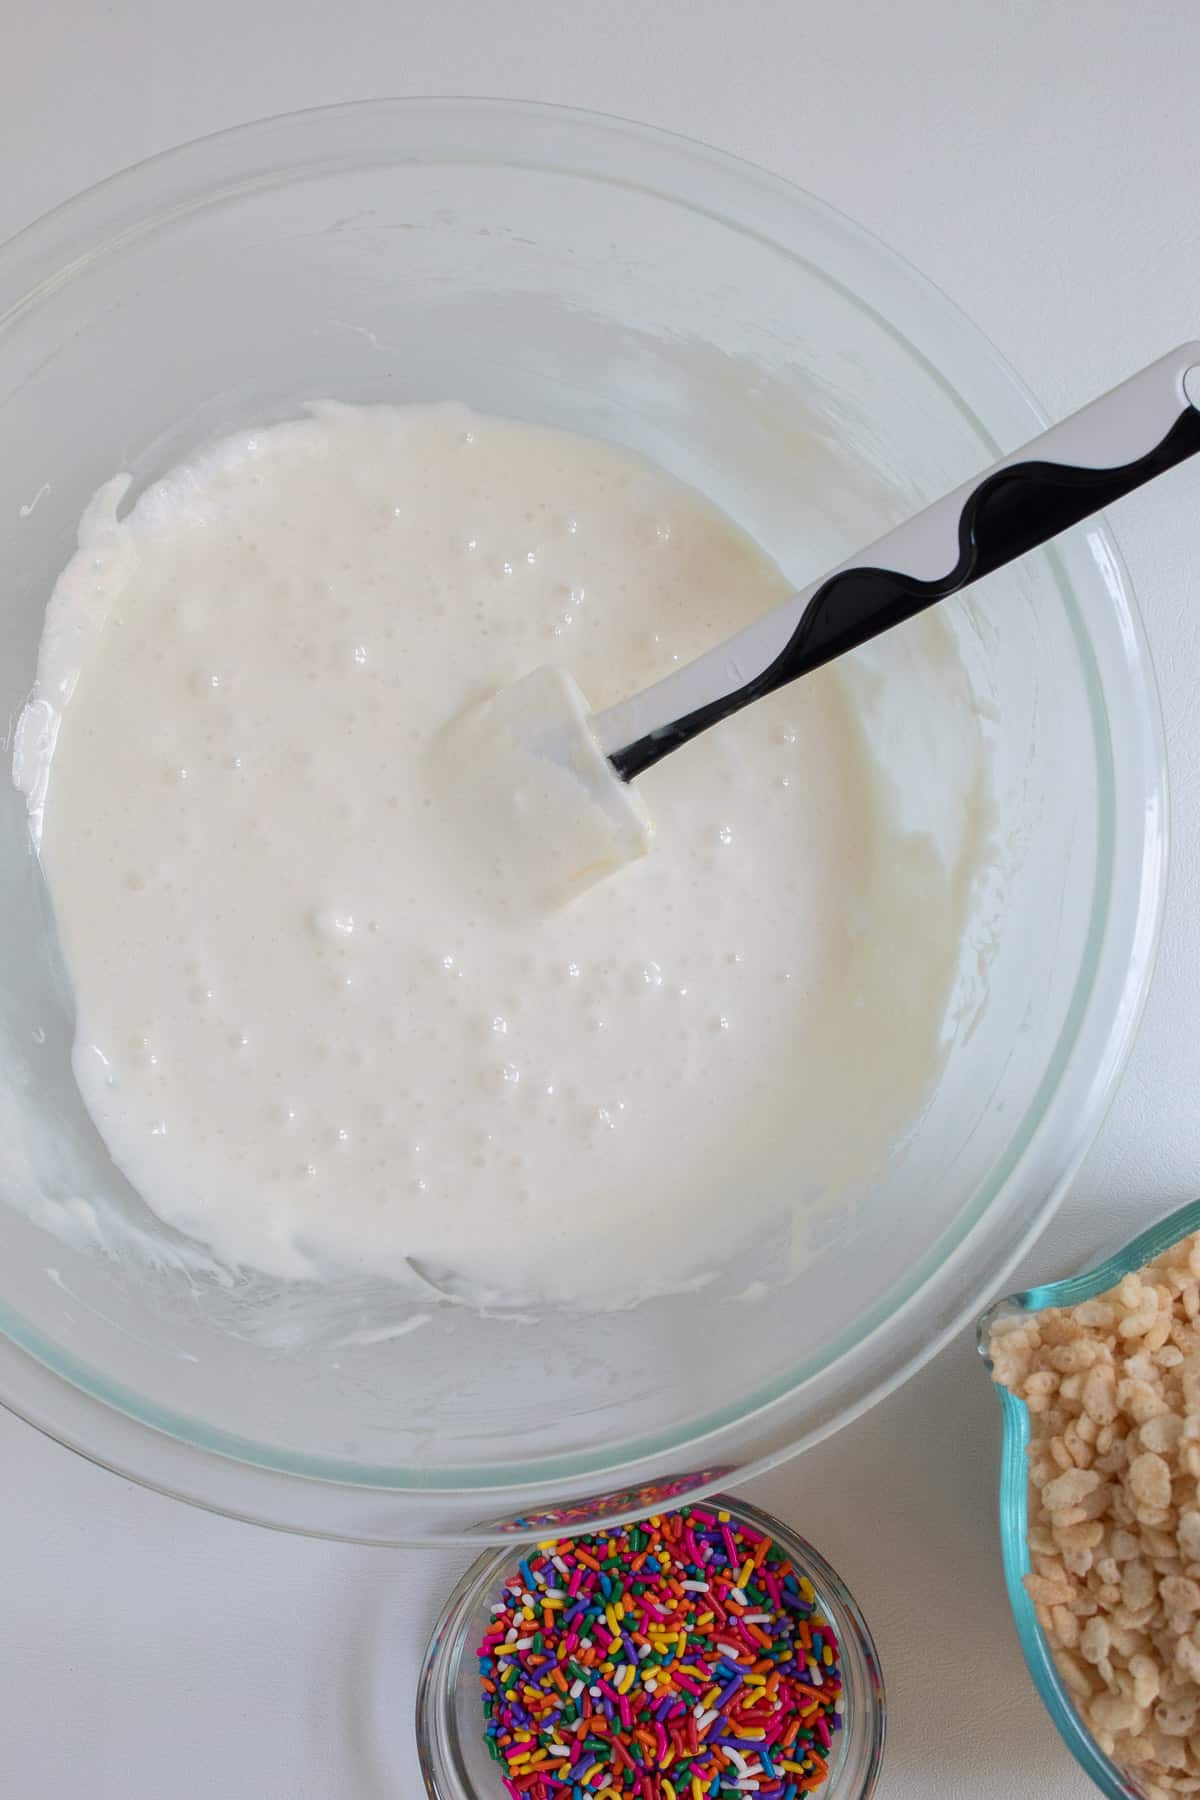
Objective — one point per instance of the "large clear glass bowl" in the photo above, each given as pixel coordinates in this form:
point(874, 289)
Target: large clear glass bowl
point(1114, 1782)
point(611, 279)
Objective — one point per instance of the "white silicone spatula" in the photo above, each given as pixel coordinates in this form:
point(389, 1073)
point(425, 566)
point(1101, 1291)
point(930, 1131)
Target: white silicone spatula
point(578, 816)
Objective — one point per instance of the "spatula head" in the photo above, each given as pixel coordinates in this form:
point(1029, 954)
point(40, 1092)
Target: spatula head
point(541, 810)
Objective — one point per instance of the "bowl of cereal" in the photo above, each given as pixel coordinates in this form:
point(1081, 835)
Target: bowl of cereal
point(1099, 1382)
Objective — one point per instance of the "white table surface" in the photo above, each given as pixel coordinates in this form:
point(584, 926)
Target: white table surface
point(1038, 158)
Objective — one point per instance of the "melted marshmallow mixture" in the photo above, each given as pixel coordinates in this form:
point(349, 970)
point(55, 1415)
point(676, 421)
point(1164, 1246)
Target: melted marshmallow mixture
point(306, 1030)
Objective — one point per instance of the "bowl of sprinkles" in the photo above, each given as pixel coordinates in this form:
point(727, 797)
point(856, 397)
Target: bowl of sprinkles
point(700, 1654)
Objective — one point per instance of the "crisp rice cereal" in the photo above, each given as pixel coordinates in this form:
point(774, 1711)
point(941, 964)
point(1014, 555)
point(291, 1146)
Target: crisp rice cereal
point(1113, 1392)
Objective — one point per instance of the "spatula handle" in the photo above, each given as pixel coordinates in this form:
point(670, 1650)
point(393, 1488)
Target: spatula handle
point(1127, 437)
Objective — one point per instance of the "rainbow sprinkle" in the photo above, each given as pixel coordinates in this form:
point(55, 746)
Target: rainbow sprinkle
point(683, 1658)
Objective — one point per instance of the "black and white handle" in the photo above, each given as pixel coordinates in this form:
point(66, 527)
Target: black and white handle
point(1126, 438)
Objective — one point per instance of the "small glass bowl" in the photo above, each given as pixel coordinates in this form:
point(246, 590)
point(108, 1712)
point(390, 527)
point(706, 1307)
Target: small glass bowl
point(449, 1721)
point(1116, 1783)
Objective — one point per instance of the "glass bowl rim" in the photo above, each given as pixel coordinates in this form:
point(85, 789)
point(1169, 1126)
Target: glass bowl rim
point(448, 1658)
point(1014, 1482)
point(36, 256)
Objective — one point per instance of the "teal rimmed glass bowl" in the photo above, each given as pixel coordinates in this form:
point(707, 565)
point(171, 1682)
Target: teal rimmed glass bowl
point(1014, 1486)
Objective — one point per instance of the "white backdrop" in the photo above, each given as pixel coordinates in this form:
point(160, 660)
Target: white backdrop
point(1038, 159)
